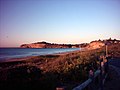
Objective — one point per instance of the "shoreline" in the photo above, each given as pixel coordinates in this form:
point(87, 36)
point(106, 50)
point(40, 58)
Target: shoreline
point(29, 57)
point(53, 70)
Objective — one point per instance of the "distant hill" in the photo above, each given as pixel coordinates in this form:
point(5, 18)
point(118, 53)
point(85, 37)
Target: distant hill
point(100, 43)
point(92, 45)
point(51, 45)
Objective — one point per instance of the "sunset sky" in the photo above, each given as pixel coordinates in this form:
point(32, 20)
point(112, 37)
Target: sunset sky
point(58, 21)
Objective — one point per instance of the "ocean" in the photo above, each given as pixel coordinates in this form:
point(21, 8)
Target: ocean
point(9, 53)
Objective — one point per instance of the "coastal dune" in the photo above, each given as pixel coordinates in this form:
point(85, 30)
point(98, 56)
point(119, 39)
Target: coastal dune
point(47, 72)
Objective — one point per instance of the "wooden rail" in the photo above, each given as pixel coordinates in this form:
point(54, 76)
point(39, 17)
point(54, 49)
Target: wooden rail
point(99, 76)
point(102, 73)
point(87, 82)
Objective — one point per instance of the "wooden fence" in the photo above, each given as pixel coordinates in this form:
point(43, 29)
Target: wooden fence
point(100, 75)
point(96, 79)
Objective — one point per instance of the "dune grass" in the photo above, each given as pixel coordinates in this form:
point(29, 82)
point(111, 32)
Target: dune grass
point(50, 71)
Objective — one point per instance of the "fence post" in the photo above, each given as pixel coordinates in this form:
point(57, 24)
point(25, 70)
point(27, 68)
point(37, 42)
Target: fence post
point(107, 64)
point(91, 75)
point(101, 73)
point(106, 49)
